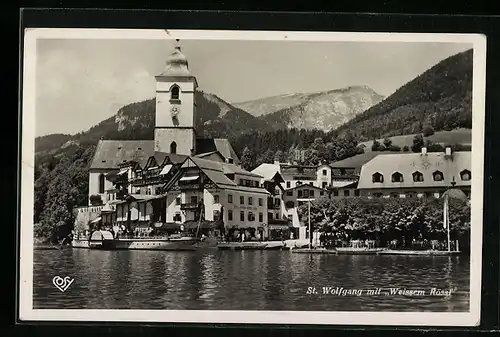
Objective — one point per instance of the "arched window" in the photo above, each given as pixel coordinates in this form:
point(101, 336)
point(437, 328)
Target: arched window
point(397, 177)
point(173, 147)
point(101, 183)
point(418, 176)
point(465, 175)
point(438, 176)
point(377, 178)
point(174, 92)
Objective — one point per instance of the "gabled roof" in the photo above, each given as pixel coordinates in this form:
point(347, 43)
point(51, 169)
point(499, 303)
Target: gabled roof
point(110, 154)
point(208, 154)
point(222, 145)
point(267, 171)
point(408, 163)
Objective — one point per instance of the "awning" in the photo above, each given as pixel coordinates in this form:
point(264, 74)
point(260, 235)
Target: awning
point(189, 178)
point(122, 171)
point(96, 220)
point(166, 169)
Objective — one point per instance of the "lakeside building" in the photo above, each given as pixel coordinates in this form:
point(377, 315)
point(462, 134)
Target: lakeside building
point(179, 181)
point(416, 174)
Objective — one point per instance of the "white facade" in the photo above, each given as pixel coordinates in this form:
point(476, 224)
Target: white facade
point(175, 115)
point(323, 176)
point(99, 184)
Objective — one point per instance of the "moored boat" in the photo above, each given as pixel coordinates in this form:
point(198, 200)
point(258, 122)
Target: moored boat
point(104, 240)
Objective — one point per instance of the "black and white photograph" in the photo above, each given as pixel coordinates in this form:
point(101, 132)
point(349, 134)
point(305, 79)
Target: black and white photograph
point(252, 177)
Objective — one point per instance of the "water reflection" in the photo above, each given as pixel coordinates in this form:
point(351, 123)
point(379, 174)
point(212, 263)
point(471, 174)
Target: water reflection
point(245, 280)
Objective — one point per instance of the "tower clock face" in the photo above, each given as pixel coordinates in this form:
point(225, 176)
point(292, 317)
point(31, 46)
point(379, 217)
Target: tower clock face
point(174, 111)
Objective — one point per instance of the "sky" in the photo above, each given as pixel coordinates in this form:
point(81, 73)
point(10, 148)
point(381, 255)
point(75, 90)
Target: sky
point(80, 82)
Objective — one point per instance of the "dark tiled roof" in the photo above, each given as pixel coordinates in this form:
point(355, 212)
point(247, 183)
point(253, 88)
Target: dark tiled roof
point(222, 145)
point(358, 160)
point(110, 154)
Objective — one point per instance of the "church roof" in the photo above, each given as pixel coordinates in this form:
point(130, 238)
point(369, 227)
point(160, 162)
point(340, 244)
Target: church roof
point(110, 154)
point(408, 163)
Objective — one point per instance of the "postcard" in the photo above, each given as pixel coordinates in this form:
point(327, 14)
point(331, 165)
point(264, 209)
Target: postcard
point(266, 177)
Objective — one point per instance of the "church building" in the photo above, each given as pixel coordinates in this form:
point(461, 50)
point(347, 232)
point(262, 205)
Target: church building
point(178, 178)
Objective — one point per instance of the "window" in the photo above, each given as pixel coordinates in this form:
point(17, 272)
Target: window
point(242, 200)
point(194, 199)
point(335, 193)
point(397, 177)
point(418, 177)
point(299, 194)
point(290, 204)
point(230, 215)
point(177, 201)
point(324, 184)
point(261, 217)
point(377, 178)
point(356, 193)
point(230, 198)
point(101, 183)
point(288, 184)
point(465, 175)
point(261, 202)
point(241, 182)
point(216, 214)
point(242, 215)
point(324, 172)
point(148, 191)
point(174, 93)
point(311, 193)
point(177, 216)
point(158, 190)
point(289, 193)
point(269, 216)
point(437, 175)
point(321, 193)
point(250, 200)
point(306, 193)
point(216, 199)
point(251, 216)
point(346, 193)
point(173, 147)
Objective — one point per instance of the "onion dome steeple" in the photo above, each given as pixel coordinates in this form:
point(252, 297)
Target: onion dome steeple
point(176, 64)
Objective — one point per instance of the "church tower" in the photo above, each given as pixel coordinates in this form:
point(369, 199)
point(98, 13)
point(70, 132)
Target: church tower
point(175, 106)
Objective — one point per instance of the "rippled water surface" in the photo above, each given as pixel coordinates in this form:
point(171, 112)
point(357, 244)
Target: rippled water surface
point(246, 280)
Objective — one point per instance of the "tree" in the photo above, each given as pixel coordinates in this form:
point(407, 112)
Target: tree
point(406, 148)
point(268, 157)
point(280, 156)
point(247, 159)
point(428, 130)
point(418, 143)
point(387, 143)
point(377, 146)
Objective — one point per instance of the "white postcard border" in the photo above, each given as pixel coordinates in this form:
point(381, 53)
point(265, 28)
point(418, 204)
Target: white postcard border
point(26, 311)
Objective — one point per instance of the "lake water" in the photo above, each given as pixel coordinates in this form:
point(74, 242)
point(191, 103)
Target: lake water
point(247, 280)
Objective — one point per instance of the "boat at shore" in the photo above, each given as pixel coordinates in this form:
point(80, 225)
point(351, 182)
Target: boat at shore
point(105, 240)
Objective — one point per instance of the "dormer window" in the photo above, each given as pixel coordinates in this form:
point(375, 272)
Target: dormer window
point(465, 175)
point(377, 178)
point(397, 177)
point(174, 93)
point(438, 176)
point(418, 177)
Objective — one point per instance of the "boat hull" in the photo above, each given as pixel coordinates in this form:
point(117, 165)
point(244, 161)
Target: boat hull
point(141, 244)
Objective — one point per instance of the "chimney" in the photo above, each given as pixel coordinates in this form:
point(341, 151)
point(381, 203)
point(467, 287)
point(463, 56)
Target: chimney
point(424, 150)
point(448, 151)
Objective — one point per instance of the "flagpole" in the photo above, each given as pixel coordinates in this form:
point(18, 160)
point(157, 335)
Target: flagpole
point(447, 223)
point(309, 218)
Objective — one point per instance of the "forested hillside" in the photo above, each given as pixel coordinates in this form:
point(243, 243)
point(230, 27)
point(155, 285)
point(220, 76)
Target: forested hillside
point(440, 98)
